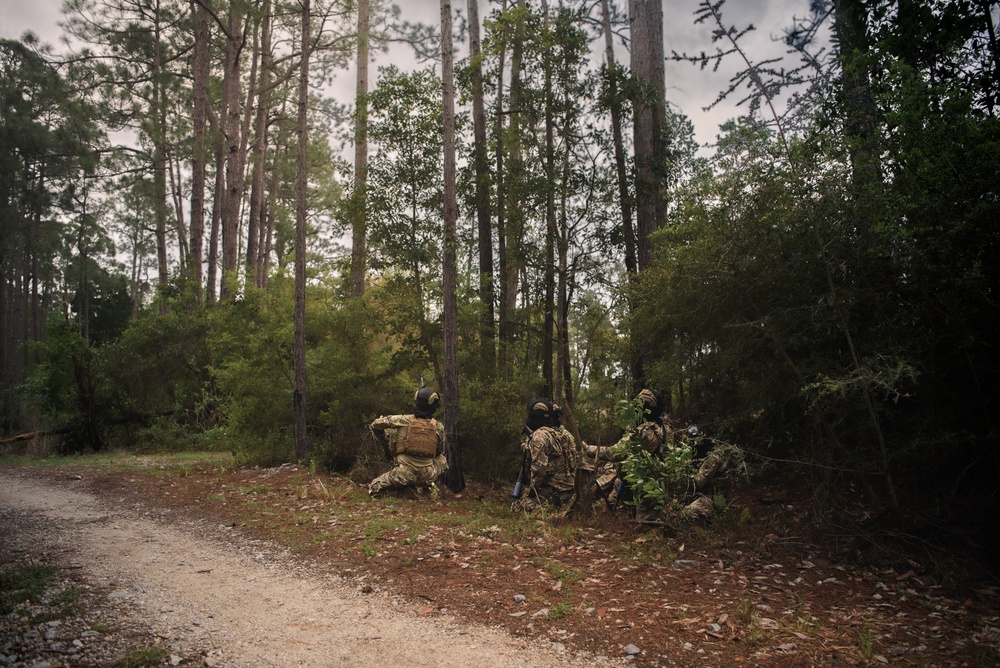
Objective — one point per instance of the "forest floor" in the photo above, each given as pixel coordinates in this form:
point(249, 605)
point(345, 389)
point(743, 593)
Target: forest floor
point(763, 586)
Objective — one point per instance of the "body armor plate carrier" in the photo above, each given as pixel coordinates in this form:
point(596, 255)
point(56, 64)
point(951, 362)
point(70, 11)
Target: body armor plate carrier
point(419, 439)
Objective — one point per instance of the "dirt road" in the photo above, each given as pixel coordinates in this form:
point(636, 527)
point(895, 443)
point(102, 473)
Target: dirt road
point(242, 604)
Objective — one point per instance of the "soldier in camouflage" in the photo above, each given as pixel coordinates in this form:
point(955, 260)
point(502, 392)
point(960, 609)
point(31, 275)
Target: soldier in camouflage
point(553, 458)
point(711, 461)
point(415, 443)
point(652, 433)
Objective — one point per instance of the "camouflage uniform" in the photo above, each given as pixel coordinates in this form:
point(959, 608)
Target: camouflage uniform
point(553, 468)
point(699, 505)
point(410, 470)
point(654, 437)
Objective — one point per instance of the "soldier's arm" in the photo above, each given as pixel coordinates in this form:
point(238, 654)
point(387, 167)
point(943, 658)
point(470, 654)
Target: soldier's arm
point(539, 455)
point(390, 422)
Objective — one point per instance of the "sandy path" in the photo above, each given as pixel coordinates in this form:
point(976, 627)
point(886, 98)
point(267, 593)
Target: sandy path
point(249, 603)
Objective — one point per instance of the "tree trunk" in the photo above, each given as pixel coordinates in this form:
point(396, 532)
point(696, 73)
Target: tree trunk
point(359, 210)
point(501, 196)
point(267, 241)
point(514, 222)
point(199, 85)
point(256, 218)
point(159, 114)
point(301, 183)
point(218, 201)
point(624, 197)
point(177, 188)
point(583, 503)
point(551, 232)
point(454, 478)
point(650, 116)
point(487, 335)
point(850, 28)
point(234, 162)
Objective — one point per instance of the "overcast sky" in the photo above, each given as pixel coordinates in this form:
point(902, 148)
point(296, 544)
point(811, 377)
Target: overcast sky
point(688, 88)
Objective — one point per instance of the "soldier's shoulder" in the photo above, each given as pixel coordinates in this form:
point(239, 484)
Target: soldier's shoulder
point(542, 434)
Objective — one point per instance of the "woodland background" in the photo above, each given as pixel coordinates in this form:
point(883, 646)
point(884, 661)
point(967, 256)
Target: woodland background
point(188, 261)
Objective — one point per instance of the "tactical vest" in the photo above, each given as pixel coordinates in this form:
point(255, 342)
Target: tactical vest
point(418, 439)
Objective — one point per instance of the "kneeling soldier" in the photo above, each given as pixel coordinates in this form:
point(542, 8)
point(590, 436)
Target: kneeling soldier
point(415, 442)
point(553, 458)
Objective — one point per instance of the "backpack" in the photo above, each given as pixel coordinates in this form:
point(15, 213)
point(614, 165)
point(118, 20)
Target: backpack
point(419, 439)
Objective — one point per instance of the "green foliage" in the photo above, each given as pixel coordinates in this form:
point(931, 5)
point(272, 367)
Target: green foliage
point(492, 416)
point(48, 149)
point(839, 315)
point(655, 481)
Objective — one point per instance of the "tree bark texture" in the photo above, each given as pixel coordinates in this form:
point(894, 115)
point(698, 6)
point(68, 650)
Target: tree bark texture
point(359, 253)
point(234, 162)
point(646, 17)
point(487, 335)
point(159, 115)
point(301, 202)
point(200, 68)
point(503, 325)
point(454, 478)
point(257, 186)
point(621, 170)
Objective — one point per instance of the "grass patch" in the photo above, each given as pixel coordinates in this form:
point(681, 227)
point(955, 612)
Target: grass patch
point(149, 656)
point(67, 597)
point(558, 570)
point(124, 461)
point(560, 610)
point(376, 528)
point(866, 644)
point(23, 584)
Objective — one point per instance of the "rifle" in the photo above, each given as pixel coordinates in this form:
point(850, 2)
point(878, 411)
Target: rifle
point(621, 490)
point(524, 475)
point(380, 438)
point(604, 495)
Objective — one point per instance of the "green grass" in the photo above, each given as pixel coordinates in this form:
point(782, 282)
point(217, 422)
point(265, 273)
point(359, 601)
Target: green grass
point(67, 597)
point(125, 461)
point(558, 570)
point(866, 644)
point(141, 658)
point(23, 584)
point(560, 610)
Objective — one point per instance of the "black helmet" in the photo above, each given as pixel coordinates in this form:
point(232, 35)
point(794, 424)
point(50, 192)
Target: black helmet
point(693, 431)
point(653, 401)
point(541, 413)
point(425, 402)
point(556, 415)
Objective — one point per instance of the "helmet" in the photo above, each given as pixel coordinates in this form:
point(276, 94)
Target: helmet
point(542, 413)
point(693, 431)
point(425, 402)
point(556, 415)
point(653, 401)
